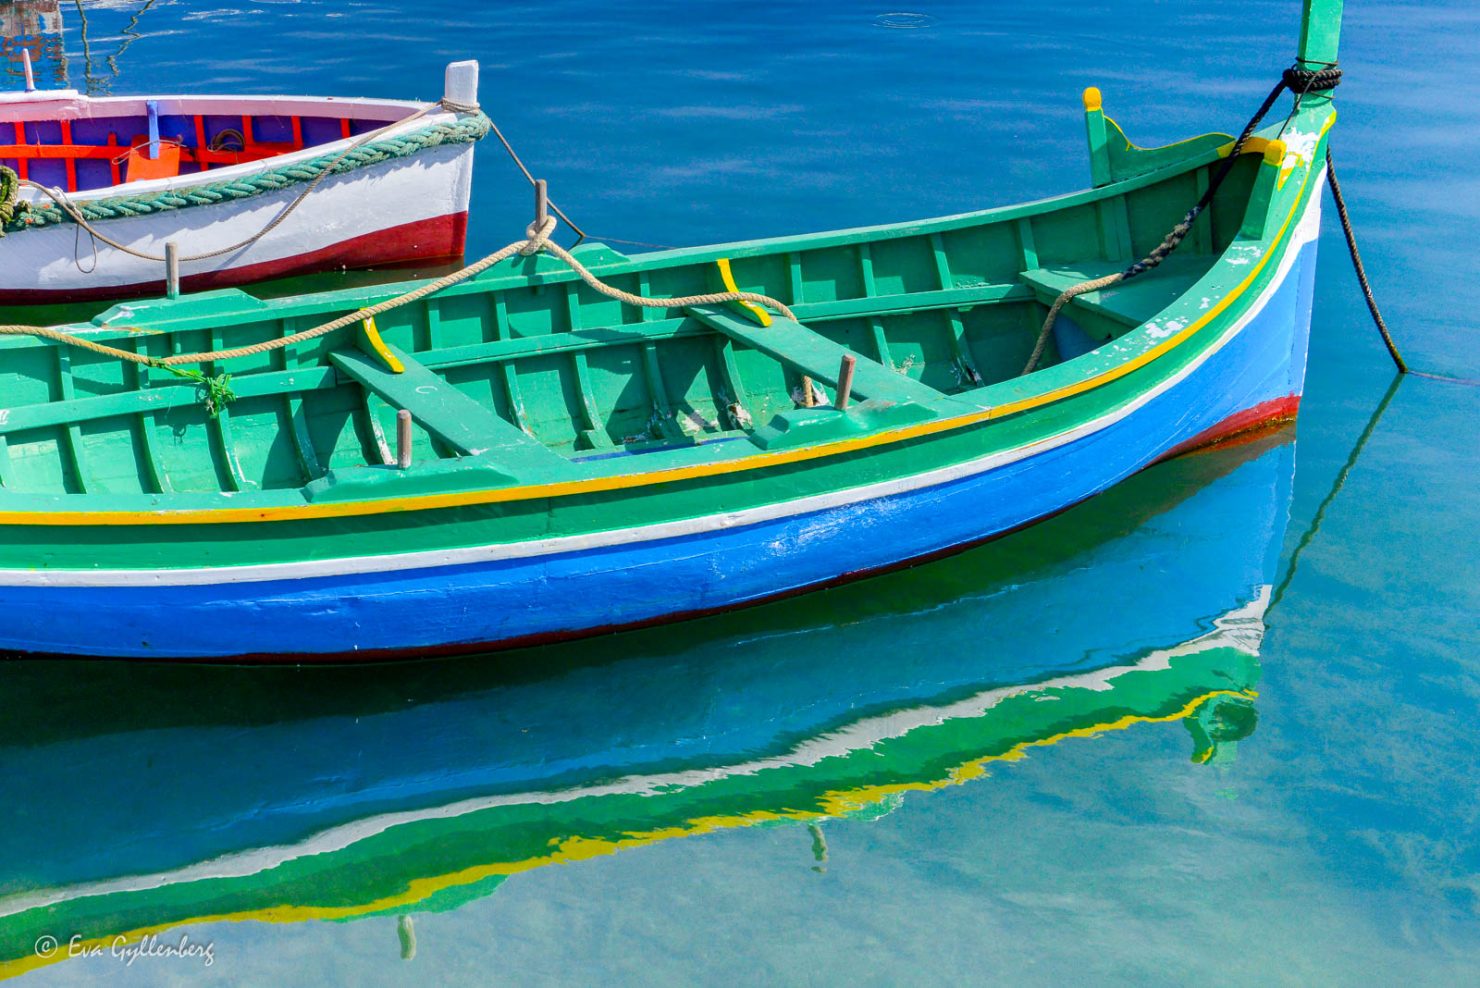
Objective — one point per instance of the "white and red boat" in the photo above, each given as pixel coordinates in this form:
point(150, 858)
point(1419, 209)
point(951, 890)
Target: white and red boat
point(212, 173)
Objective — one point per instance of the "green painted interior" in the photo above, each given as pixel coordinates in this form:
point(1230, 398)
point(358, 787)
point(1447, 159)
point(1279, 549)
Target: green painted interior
point(529, 363)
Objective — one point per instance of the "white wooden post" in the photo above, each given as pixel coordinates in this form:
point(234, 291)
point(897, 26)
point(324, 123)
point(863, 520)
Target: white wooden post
point(461, 87)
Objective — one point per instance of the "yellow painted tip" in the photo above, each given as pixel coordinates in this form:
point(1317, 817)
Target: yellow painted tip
point(1274, 153)
point(378, 347)
point(755, 312)
point(1092, 100)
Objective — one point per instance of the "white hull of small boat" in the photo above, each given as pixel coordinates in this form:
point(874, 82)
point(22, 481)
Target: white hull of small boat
point(399, 196)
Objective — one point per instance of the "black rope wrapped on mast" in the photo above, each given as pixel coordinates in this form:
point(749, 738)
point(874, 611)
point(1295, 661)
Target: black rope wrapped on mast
point(1302, 81)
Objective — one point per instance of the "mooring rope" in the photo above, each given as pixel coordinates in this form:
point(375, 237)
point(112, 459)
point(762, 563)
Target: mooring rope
point(537, 239)
point(580, 234)
point(682, 301)
point(1359, 267)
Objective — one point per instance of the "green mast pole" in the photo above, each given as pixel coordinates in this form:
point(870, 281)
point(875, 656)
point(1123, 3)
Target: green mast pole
point(1320, 32)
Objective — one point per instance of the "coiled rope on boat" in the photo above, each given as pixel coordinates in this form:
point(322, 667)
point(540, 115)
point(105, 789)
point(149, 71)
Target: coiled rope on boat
point(370, 148)
point(1300, 81)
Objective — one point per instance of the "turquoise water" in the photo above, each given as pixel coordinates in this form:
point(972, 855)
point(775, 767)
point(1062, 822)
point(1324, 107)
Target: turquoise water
point(1331, 841)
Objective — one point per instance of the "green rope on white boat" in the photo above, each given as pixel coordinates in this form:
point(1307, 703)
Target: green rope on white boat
point(465, 130)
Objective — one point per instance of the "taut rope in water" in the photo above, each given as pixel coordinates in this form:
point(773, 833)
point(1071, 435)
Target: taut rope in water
point(1361, 271)
point(1351, 246)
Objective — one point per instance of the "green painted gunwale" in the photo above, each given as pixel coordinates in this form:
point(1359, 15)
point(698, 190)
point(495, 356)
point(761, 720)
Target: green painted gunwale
point(61, 392)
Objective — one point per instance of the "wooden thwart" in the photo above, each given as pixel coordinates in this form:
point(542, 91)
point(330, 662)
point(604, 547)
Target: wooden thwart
point(814, 355)
point(451, 416)
point(1129, 303)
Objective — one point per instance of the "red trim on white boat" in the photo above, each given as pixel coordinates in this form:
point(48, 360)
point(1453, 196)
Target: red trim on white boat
point(438, 240)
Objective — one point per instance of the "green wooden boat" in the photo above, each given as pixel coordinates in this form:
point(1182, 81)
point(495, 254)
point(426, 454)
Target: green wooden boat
point(574, 464)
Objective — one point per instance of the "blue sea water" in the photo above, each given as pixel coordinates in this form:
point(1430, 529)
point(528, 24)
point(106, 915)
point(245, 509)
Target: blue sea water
point(1337, 844)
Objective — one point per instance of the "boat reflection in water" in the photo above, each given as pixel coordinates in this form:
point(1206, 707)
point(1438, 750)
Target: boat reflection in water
point(33, 26)
point(36, 26)
point(144, 798)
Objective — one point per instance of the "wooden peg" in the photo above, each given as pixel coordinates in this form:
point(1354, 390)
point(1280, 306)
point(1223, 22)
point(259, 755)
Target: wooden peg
point(403, 439)
point(30, 73)
point(172, 270)
point(151, 110)
point(461, 84)
point(1098, 132)
point(845, 381)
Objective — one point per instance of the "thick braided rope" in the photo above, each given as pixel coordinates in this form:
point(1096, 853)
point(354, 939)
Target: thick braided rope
point(369, 149)
point(1359, 267)
point(359, 315)
point(537, 239)
point(713, 298)
point(1065, 297)
point(47, 333)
